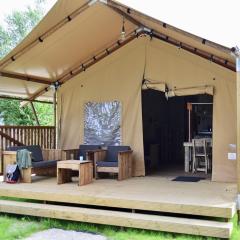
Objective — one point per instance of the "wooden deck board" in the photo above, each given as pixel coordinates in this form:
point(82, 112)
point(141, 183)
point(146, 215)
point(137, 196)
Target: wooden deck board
point(135, 220)
point(146, 193)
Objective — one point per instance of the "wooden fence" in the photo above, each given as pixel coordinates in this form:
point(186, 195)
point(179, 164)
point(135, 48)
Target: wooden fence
point(45, 136)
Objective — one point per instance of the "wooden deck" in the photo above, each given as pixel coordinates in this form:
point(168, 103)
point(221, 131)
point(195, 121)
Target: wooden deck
point(158, 194)
point(145, 193)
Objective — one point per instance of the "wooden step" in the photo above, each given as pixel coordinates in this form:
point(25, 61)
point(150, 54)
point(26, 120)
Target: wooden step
point(224, 210)
point(124, 219)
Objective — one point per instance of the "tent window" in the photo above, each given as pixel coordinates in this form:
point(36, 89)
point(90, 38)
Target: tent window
point(102, 123)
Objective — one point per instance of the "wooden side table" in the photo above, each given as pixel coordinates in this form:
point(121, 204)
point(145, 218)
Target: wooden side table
point(85, 169)
point(10, 157)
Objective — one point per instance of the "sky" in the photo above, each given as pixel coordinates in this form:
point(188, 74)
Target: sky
point(8, 6)
point(215, 20)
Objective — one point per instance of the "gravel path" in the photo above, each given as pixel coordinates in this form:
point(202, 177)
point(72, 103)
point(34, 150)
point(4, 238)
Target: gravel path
point(58, 234)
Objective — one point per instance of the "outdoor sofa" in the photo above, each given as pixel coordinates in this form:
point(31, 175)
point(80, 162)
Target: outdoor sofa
point(44, 161)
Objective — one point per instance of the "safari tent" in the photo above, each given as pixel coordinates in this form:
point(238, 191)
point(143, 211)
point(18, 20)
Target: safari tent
point(91, 52)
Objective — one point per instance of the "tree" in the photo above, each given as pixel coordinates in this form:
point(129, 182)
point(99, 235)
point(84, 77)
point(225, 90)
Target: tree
point(12, 114)
point(45, 114)
point(18, 25)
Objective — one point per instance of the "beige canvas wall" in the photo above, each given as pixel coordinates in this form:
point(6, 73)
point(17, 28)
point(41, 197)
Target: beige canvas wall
point(119, 77)
point(180, 69)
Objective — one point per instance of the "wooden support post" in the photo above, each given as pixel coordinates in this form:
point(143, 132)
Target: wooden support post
point(23, 99)
point(238, 137)
point(237, 55)
point(23, 77)
point(122, 228)
point(55, 118)
point(35, 113)
point(189, 107)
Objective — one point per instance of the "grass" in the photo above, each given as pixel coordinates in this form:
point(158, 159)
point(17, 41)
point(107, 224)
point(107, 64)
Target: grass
point(236, 229)
point(17, 228)
point(13, 227)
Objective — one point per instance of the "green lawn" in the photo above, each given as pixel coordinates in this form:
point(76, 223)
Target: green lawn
point(13, 227)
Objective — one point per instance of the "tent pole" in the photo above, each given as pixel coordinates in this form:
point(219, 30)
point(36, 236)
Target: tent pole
point(22, 99)
point(46, 34)
point(189, 107)
point(138, 14)
point(238, 134)
point(112, 48)
point(55, 118)
point(236, 53)
point(25, 77)
point(35, 113)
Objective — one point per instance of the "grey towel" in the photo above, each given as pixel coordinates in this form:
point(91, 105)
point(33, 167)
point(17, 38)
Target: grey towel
point(24, 159)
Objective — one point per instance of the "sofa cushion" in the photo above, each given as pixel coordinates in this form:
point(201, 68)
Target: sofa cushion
point(112, 152)
point(84, 148)
point(34, 149)
point(45, 164)
point(107, 164)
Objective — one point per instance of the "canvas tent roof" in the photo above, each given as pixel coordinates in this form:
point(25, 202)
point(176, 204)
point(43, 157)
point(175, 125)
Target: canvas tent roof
point(75, 34)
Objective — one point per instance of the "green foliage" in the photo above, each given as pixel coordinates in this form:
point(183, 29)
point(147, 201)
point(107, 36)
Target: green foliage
point(45, 114)
point(5, 42)
point(18, 25)
point(12, 114)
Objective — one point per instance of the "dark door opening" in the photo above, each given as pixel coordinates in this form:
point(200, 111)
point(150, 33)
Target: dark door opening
point(166, 127)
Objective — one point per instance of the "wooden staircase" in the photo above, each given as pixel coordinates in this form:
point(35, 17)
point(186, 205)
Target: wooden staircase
point(159, 222)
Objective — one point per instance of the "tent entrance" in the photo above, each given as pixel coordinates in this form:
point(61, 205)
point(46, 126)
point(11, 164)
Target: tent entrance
point(167, 124)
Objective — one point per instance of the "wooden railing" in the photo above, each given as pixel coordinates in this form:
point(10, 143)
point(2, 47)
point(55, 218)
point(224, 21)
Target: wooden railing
point(45, 136)
point(27, 135)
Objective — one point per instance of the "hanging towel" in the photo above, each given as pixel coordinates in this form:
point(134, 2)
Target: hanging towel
point(24, 159)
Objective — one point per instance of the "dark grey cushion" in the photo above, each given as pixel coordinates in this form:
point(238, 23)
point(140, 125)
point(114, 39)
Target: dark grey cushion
point(107, 164)
point(44, 164)
point(34, 149)
point(112, 152)
point(84, 148)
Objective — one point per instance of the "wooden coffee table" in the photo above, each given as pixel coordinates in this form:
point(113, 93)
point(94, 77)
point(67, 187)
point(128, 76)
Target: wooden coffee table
point(64, 171)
